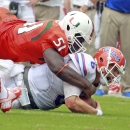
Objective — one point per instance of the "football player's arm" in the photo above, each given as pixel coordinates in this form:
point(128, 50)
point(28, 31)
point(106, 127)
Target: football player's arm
point(55, 62)
point(84, 8)
point(67, 6)
point(33, 2)
point(76, 104)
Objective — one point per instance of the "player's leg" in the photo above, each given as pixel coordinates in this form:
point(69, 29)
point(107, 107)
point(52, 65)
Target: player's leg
point(125, 45)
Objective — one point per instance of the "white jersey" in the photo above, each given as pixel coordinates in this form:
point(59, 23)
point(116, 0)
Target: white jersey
point(79, 2)
point(89, 3)
point(83, 2)
point(47, 89)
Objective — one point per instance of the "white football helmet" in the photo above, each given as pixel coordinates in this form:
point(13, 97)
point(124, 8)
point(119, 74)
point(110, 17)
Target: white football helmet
point(78, 28)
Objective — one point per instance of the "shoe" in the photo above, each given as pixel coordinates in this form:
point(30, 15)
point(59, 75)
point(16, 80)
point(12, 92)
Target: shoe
point(99, 92)
point(6, 103)
point(126, 94)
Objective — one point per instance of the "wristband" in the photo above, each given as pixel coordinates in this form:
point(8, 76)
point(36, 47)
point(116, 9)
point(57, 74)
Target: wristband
point(99, 112)
point(65, 65)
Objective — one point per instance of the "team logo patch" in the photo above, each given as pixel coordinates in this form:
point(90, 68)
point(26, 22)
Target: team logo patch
point(93, 64)
point(72, 22)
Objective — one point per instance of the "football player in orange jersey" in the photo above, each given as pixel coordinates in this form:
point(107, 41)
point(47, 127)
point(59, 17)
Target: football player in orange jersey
point(47, 41)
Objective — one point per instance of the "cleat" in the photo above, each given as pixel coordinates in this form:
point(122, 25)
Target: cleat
point(99, 92)
point(126, 94)
point(115, 88)
point(6, 103)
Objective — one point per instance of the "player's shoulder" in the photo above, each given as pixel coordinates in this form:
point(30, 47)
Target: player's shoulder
point(85, 61)
point(56, 29)
point(82, 57)
point(90, 62)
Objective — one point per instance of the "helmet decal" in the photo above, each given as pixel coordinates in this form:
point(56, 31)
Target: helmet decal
point(76, 25)
point(113, 54)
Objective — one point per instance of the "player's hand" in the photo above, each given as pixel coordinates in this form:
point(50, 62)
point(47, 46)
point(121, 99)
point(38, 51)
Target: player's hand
point(32, 2)
point(98, 106)
point(99, 110)
point(90, 91)
point(84, 8)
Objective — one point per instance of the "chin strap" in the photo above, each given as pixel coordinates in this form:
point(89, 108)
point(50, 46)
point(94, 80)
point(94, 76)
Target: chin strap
point(64, 66)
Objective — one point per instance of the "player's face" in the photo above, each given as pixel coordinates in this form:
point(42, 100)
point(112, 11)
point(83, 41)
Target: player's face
point(114, 72)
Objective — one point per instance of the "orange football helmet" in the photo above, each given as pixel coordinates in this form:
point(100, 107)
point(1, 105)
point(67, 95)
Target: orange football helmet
point(105, 57)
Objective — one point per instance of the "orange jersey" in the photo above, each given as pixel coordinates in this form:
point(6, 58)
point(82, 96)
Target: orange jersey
point(21, 41)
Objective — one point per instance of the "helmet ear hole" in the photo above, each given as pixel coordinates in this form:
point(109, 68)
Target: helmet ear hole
point(68, 27)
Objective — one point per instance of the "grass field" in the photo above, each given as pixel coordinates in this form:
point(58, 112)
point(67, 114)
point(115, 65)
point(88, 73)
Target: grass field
point(116, 117)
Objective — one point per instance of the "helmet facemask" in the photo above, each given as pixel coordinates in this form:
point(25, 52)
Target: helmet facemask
point(76, 43)
point(107, 76)
point(78, 28)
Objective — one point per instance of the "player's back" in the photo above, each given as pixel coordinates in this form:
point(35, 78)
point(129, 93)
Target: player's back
point(21, 41)
point(46, 88)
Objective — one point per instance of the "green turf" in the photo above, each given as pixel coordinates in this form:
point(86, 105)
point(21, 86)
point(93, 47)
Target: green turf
point(116, 117)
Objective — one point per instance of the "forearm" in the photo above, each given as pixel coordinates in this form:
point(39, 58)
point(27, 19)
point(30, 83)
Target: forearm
point(84, 8)
point(55, 62)
point(94, 2)
point(72, 77)
point(80, 106)
point(67, 5)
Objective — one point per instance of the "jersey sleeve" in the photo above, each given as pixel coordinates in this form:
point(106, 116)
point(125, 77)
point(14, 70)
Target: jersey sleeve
point(58, 41)
point(85, 65)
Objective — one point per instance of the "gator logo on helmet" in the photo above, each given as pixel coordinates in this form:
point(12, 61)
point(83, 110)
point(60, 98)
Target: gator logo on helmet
point(113, 54)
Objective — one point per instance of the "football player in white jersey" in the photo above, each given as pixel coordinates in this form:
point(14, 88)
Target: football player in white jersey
point(47, 91)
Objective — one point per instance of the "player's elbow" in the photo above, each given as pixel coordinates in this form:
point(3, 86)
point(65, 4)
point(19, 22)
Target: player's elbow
point(55, 68)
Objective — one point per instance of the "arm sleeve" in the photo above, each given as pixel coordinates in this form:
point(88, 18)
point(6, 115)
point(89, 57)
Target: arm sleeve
point(58, 41)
